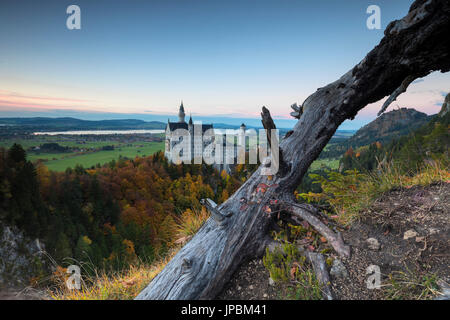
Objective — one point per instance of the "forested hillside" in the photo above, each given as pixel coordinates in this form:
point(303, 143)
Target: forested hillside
point(111, 216)
point(389, 126)
point(429, 143)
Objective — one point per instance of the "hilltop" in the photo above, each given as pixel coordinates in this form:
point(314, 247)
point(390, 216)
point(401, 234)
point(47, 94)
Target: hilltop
point(388, 126)
point(428, 143)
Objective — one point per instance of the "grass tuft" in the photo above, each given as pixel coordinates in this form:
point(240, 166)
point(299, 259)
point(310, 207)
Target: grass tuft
point(410, 286)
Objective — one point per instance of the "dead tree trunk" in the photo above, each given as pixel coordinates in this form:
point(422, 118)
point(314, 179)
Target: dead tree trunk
point(411, 48)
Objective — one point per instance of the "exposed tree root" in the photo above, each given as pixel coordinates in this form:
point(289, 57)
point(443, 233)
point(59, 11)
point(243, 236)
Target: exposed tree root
point(320, 269)
point(304, 212)
point(318, 263)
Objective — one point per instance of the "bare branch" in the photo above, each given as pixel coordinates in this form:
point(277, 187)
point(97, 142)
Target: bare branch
point(301, 212)
point(396, 93)
point(215, 213)
point(298, 111)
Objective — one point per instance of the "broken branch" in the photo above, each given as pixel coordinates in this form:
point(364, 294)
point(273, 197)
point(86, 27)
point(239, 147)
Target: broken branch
point(298, 212)
point(396, 93)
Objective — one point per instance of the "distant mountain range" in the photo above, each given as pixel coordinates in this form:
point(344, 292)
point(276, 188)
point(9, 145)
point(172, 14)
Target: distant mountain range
point(70, 124)
point(61, 124)
point(43, 124)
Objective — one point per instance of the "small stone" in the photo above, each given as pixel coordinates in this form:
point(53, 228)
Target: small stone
point(433, 230)
point(445, 290)
point(373, 244)
point(409, 234)
point(338, 269)
point(271, 282)
point(251, 287)
point(265, 295)
point(239, 288)
point(420, 239)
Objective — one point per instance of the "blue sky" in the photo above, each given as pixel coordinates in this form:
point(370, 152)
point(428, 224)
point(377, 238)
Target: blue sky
point(224, 59)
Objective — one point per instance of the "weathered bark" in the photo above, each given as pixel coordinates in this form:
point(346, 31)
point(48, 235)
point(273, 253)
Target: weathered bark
point(413, 46)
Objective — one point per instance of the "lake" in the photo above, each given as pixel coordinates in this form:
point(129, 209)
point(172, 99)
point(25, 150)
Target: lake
point(99, 132)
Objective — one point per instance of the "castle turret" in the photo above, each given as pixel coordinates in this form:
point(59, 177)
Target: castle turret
point(191, 125)
point(241, 135)
point(181, 113)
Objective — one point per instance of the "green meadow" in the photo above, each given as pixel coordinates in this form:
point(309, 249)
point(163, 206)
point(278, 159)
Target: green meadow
point(86, 151)
point(90, 159)
point(328, 163)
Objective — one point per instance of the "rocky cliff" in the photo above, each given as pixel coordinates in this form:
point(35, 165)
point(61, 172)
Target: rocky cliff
point(445, 107)
point(20, 258)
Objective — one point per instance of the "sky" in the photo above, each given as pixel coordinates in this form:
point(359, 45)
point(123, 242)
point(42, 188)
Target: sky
point(224, 59)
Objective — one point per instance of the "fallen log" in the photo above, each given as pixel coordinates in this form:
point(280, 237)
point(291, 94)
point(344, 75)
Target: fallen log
point(412, 48)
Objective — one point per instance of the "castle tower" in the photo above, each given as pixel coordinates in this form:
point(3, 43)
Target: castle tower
point(240, 150)
point(181, 113)
point(192, 138)
point(241, 135)
point(190, 125)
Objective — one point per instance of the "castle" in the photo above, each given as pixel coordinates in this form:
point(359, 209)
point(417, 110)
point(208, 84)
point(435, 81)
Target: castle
point(223, 156)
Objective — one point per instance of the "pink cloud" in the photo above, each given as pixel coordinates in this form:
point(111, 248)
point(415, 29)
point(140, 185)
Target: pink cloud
point(11, 99)
point(8, 95)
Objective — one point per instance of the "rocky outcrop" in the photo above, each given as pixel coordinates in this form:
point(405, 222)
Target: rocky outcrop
point(20, 257)
point(445, 107)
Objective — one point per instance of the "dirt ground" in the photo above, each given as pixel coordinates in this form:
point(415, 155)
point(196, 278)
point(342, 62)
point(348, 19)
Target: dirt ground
point(412, 228)
point(26, 294)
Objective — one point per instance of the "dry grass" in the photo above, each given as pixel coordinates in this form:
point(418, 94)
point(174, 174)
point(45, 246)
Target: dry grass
point(407, 285)
point(350, 193)
point(126, 285)
point(190, 221)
